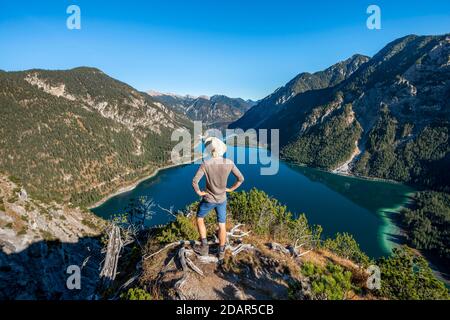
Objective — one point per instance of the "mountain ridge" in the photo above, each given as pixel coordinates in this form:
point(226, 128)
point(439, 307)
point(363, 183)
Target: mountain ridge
point(215, 111)
point(406, 83)
point(301, 83)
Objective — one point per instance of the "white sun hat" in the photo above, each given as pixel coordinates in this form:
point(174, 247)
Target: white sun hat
point(215, 146)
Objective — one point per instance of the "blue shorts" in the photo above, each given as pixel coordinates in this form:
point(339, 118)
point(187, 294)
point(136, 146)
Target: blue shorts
point(221, 210)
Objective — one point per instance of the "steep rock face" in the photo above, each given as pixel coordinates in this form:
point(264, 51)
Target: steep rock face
point(39, 241)
point(61, 129)
point(216, 111)
point(399, 99)
point(113, 99)
point(40, 271)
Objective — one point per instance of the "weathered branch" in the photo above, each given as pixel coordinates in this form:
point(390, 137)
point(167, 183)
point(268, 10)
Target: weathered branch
point(113, 249)
point(278, 247)
point(182, 258)
point(178, 286)
point(169, 211)
point(303, 253)
point(241, 247)
point(170, 245)
point(235, 232)
point(189, 262)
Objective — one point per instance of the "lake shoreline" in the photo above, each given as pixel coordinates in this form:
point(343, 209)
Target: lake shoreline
point(390, 235)
point(133, 185)
point(349, 175)
point(330, 185)
point(392, 225)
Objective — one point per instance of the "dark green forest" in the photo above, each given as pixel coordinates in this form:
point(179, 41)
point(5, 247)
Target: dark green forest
point(326, 145)
point(394, 152)
point(428, 222)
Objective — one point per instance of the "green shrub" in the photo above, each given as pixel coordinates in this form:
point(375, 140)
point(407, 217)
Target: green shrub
point(262, 214)
point(345, 246)
point(14, 179)
point(407, 276)
point(23, 231)
point(47, 236)
point(266, 216)
point(13, 198)
point(331, 282)
point(88, 223)
point(136, 294)
point(183, 228)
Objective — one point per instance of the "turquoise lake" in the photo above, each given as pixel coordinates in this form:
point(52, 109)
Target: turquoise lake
point(338, 203)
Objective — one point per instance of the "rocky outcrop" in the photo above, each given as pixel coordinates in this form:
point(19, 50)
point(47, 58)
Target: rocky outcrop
point(38, 242)
point(41, 270)
point(141, 111)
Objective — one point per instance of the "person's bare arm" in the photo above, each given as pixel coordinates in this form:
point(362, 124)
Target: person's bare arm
point(200, 173)
point(239, 179)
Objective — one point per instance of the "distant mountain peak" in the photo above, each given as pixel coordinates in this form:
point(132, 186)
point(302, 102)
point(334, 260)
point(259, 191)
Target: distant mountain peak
point(215, 111)
point(154, 93)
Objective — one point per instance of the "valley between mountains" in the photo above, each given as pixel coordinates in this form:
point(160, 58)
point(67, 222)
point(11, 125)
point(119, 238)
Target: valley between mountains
point(69, 138)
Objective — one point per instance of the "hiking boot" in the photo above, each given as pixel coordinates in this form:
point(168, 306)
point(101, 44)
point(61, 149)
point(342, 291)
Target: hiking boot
point(202, 250)
point(221, 256)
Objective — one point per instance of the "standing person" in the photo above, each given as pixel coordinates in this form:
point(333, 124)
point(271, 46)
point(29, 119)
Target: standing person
point(216, 169)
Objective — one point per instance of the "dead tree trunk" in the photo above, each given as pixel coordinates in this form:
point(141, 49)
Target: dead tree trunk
point(115, 244)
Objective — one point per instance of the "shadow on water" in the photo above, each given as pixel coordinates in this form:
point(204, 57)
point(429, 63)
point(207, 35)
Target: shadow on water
point(396, 238)
point(394, 234)
point(39, 272)
point(370, 194)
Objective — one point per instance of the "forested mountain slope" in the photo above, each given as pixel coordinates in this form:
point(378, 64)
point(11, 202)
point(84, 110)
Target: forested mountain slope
point(77, 135)
point(301, 83)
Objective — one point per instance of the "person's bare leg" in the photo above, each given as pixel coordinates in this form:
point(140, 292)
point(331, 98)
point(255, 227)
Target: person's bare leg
point(222, 234)
point(201, 228)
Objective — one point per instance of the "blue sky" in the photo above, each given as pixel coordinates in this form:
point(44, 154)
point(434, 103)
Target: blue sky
point(244, 48)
